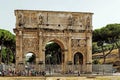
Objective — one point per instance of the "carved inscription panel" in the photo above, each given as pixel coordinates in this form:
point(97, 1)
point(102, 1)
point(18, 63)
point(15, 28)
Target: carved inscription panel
point(34, 19)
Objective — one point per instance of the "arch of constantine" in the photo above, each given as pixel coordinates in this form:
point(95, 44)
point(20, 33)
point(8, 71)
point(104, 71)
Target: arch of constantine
point(72, 31)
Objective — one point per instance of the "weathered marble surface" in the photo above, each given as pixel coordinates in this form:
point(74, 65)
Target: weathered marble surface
point(72, 31)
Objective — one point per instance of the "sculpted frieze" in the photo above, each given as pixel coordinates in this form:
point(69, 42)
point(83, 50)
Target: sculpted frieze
point(78, 42)
point(30, 44)
point(52, 20)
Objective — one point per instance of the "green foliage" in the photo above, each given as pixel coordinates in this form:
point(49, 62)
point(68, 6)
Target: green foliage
point(97, 49)
point(7, 41)
point(96, 61)
point(106, 35)
point(110, 34)
point(6, 35)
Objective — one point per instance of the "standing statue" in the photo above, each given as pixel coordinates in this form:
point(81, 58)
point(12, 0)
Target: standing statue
point(21, 21)
point(40, 20)
point(70, 21)
point(88, 22)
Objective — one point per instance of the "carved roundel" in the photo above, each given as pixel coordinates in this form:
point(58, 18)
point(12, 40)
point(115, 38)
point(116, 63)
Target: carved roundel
point(82, 42)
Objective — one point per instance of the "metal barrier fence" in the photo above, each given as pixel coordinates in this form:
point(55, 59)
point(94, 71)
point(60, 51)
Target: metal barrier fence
point(106, 69)
point(58, 69)
point(66, 69)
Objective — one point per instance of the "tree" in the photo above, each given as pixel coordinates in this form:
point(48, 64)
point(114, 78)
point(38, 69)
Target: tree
point(101, 44)
point(109, 34)
point(7, 40)
point(114, 35)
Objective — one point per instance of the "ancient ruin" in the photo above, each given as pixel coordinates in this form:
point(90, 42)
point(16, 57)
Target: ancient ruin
point(72, 31)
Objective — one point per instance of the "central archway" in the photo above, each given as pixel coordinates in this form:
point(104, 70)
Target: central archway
point(53, 53)
point(54, 57)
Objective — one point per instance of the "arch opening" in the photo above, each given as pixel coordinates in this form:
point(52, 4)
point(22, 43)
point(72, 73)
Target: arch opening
point(30, 58)
point(78, 58)
point(53, 53)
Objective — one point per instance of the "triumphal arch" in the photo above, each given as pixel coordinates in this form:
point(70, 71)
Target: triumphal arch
point(72, 31)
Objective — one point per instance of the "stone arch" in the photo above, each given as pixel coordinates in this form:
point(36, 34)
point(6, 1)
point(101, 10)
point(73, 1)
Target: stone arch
point(62, 46)
point(82, 52)
point(58, 41)
point(36, 28)
point(29, 52)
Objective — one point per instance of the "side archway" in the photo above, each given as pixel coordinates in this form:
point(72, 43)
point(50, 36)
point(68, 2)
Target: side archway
point(78, 58)
point(30, 58)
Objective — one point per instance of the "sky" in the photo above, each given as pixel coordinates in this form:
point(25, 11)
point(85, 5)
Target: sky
point(105, 11)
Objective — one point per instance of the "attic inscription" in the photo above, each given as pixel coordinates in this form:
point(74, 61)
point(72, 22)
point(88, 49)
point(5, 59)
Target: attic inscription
point(53, 21)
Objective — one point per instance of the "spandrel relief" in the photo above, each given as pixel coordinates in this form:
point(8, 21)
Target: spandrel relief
point(75, 42)
point(78, 42)
point(28, 44)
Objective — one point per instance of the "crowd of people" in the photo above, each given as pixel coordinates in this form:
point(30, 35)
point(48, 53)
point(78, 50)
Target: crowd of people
point(22, 73)
point(30, 73)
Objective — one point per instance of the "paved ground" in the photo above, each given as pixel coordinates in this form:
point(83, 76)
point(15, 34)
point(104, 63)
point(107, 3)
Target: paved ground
point(62, 78)
point(116, 74)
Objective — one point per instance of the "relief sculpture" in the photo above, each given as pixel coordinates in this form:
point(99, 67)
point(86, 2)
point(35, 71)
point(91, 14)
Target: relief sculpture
point(21, 20)
point(76, 43)
point(83, 42)
point(88, 22)
point(40, 20)
point(70, 21)
point(68, 30)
